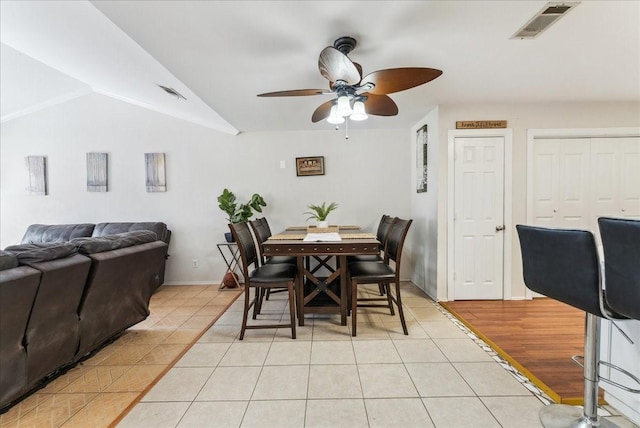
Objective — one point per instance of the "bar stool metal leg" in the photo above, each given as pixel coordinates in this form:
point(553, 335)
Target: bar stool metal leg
point(565, 416)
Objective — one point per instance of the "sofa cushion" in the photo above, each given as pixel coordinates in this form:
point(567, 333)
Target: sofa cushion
point(160, 229)
point(8, 260)
point(28, 254)
point(39, 233)
point(100, 244)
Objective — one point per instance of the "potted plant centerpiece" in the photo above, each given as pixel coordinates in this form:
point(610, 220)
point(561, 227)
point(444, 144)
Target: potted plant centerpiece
point(237, 213)
point(320, 213)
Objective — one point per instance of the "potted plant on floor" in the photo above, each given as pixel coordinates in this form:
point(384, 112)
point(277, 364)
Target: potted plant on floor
point(237, 213)
point(320, 213)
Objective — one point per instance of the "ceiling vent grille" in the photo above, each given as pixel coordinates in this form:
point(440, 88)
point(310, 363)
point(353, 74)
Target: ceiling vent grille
point(542, 20)
point(172, 91)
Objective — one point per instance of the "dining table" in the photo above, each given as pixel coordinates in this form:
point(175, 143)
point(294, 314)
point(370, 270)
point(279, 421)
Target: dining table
point(318, 290)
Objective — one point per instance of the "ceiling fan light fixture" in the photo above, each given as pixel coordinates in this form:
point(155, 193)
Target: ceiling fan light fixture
point(344, 106)
point(334, 118)
point(359, 112)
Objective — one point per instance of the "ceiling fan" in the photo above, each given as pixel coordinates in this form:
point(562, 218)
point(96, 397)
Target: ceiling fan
point(357, 96)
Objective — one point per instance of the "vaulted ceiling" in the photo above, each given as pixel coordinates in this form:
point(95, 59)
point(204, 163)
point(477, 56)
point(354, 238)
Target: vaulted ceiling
point(221, 54)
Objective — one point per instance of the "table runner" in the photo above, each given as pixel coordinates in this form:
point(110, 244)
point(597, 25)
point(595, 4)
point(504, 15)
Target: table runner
point(299, 237)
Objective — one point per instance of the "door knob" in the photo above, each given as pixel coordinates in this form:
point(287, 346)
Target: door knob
point(499, 228)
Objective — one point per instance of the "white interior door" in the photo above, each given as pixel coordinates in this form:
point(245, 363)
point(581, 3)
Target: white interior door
point(561, 182)
point(615, 178)
point(478, 218)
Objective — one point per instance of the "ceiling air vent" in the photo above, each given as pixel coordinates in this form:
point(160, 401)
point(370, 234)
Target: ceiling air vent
point(172, 91)
point(544, 19)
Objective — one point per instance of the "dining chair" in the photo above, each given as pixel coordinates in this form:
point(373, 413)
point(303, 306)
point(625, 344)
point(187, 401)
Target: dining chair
point(381, 235)
point(373, 272)
point(262, 232)
point(261, 277)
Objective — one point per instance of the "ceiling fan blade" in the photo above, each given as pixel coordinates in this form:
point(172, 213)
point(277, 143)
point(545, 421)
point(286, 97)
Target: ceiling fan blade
point(295, 93)
point(322, 112)
point(334, 66)
point(358, 67)
point(398, 79)
point(379, 105)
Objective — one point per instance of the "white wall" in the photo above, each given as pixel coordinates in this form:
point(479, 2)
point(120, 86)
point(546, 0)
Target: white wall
point(520, 118)
point(424, 207)
point(368, 175)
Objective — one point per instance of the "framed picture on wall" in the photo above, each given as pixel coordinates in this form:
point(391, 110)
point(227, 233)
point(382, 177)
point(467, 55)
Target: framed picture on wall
point(421, 160)
point(37, 175)
point(310, 166)
point(97, 172)
point(156, 179)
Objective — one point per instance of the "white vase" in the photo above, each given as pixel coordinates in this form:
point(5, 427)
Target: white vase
point(323, 224)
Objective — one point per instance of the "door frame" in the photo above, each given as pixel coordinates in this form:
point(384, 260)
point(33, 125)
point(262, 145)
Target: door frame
point(533, 134)
point(507, 134)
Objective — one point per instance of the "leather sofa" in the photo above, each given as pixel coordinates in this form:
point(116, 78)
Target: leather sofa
point(18, 288)
point(43, 233)
point(61, 301)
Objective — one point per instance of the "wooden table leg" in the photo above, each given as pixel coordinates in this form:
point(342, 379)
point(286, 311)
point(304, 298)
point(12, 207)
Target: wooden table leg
point(300, 291)
point(342, 265)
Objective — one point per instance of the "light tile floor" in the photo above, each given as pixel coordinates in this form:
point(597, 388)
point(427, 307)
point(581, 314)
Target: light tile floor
point(441, 376)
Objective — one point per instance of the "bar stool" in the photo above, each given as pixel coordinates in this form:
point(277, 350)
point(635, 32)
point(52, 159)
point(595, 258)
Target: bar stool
point(564, 265)
point(621, 247)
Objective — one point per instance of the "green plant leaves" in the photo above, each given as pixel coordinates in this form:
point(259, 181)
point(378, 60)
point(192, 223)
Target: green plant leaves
point(239, 213)
point(320, 212)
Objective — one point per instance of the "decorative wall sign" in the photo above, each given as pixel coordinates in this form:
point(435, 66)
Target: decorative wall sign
point(97, 172)
point(310, 166)
point(37, 175)
point(481, 124)
point(156, 179)
point(421, 160)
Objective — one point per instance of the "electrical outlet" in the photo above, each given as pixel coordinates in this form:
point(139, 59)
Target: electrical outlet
point(195, 263)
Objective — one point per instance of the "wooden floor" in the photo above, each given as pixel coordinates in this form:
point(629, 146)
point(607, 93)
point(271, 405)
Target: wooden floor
point(540, 335)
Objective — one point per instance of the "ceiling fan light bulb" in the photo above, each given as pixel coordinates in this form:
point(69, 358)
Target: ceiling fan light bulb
point(344, 107)
point(358, 112)
point(334, 118)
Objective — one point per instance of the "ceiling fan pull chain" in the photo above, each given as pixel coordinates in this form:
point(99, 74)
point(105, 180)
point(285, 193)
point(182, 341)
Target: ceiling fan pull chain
point(346, 128)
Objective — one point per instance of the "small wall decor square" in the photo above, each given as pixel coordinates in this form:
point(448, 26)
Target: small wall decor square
point(421, 160)
point(97, 172)
point(310, 166)
point(37, 175)
point(156, 178)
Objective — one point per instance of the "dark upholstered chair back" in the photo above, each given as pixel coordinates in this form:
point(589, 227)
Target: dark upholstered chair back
point(261, 229)
point(562, 264)
point(262, 232)
point(621, 245)
point(395, 240)
point(265, 225)
point(246, 246)
point(383, 229)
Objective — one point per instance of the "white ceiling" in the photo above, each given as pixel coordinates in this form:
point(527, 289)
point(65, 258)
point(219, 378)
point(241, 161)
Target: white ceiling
point(221, 54)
